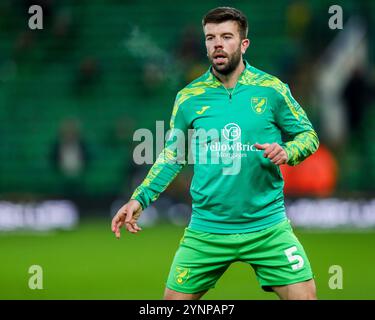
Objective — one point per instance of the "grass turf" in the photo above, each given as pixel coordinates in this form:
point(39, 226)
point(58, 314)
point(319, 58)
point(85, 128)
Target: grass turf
point(89, 263)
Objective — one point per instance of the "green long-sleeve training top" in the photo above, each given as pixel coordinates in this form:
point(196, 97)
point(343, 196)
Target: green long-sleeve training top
point(234, 188)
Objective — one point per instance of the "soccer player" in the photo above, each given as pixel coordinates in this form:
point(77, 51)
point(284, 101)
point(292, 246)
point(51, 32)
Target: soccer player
point(237, 215)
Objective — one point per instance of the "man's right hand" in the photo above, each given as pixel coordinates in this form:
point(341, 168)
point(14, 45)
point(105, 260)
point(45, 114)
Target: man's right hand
point(127, 215)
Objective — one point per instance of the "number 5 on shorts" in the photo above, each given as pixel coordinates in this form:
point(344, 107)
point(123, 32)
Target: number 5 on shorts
point(289, 253)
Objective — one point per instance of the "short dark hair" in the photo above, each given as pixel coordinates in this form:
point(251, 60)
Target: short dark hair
point(223, 14)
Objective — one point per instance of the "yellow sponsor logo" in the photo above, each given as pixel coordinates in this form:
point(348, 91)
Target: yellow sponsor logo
point(258, 104)
point(182, 274)
point(204, 108)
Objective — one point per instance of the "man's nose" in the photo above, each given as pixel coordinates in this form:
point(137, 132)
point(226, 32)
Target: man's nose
point(218, 43)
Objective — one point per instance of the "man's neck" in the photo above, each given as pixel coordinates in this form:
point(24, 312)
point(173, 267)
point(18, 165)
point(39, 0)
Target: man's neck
point(230, 80)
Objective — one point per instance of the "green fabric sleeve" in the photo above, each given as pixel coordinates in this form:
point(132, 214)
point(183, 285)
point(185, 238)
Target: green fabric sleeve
point(168, 164)
point(302, 140)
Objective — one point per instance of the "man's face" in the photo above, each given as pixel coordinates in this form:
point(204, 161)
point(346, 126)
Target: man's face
point(224, 46)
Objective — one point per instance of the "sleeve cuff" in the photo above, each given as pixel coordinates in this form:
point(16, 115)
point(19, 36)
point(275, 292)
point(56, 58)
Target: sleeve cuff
point(140, 197)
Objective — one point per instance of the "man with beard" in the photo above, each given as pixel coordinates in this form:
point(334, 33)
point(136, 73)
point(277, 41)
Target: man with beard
point(238, 211)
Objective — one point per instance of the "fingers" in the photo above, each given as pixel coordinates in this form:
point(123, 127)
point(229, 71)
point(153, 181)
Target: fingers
point(274, 152)
point(117, 233)
point(261, 146)
point(127, 215)
point(280, 158)
point(114, 226)
point(132, 226)
point(131, 222)
point(280, 162)
point(117, 223)
point(137, 227)
point(268, 148)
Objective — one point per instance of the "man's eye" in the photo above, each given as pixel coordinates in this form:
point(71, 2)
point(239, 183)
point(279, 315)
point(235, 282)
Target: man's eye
point(209, 38)
point(227, 37)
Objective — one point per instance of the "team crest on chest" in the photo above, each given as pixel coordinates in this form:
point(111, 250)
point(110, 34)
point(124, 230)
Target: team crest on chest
point(258, 104)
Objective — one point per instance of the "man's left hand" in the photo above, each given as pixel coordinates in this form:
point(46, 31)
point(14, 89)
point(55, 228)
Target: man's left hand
point(274, 152)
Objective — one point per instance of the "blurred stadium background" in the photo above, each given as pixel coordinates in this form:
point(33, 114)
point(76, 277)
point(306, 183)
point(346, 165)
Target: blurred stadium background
point(72, 95)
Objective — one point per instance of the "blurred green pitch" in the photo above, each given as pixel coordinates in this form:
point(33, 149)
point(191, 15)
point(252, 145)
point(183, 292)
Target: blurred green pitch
point(89, 263)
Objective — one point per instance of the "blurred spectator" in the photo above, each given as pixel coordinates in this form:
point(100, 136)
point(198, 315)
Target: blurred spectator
point(121, 133)
point(190, 47)
point(88, 75)
point(298, 16)
point(25, 42)
point(356, 95)
point(190, 53)
point(63, 25)
point(69, 155)
point(64, 34)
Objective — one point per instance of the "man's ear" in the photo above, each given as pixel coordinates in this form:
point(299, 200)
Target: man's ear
point(245, 43)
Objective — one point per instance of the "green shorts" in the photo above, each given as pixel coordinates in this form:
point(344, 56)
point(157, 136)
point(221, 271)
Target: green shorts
point(275, 254)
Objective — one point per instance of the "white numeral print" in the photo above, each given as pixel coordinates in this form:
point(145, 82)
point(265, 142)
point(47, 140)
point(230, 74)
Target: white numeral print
point(289, 253)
